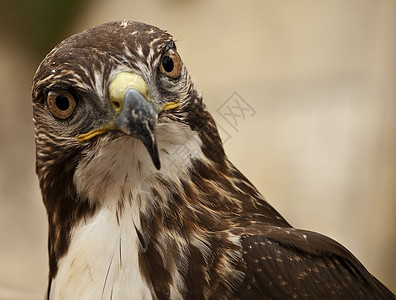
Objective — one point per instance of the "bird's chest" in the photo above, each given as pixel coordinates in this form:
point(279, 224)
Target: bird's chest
point(102, 259)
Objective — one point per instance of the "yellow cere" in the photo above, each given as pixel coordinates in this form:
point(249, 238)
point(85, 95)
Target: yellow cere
point(122, 82)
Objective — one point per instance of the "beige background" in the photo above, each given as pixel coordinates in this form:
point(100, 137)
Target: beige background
point(321, 147)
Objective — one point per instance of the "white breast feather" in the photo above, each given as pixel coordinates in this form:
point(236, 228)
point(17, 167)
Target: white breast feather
point(102, 261)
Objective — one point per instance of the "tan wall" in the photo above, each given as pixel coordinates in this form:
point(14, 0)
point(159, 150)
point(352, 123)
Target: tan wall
point(321, 146)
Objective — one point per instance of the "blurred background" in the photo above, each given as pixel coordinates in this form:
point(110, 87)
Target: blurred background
point(319, 141)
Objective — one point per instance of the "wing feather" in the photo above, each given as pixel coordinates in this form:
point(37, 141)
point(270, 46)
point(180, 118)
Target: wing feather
point(286, 263)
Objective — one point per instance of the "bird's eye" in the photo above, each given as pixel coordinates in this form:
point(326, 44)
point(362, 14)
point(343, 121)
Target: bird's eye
point(61, 103)
point(171, 64)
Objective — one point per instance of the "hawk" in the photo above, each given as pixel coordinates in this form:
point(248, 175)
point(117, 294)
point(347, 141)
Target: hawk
point(130, 217)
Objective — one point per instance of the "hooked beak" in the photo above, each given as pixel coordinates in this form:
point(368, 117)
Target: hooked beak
point(135, 113)
point(138, 118)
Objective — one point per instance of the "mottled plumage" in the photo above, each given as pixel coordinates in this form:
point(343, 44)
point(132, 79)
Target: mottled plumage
point(131, 218)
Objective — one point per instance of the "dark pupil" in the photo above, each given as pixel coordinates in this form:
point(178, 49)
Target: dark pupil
point(167, 63)
point(62, 102)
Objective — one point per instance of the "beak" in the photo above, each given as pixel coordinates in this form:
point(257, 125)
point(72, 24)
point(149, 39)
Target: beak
point(138, 118)
point(135, 113)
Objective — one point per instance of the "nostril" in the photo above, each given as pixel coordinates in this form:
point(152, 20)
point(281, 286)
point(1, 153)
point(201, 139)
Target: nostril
point(116, 104)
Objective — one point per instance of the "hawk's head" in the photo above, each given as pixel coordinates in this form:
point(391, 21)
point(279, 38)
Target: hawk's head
point(118, 88)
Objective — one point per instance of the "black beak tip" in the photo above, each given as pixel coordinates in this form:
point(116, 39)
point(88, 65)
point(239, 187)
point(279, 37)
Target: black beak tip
point(152, 149)
point(157, 164)
point(154, 155)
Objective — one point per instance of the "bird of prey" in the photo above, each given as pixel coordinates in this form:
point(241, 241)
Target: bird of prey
point(130, 217)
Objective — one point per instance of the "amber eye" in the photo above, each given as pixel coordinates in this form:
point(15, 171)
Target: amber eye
point(61, 103)
point(171, 64)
